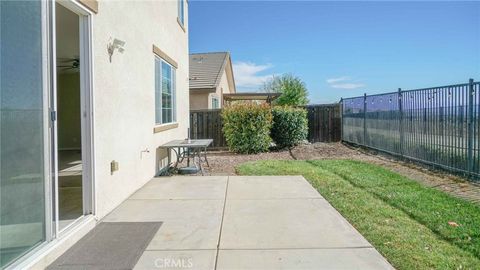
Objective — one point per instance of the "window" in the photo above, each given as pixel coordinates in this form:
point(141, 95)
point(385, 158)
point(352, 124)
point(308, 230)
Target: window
point(181, 12)
point(215, 103)
point(164, 92)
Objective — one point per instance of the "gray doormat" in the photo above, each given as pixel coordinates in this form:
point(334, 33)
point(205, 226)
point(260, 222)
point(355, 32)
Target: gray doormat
point(110, 245)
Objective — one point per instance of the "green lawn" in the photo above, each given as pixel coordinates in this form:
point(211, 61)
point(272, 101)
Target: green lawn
point(407, 222)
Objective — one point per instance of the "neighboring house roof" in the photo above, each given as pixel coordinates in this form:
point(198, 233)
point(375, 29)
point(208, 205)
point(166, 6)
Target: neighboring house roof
point(206, 69)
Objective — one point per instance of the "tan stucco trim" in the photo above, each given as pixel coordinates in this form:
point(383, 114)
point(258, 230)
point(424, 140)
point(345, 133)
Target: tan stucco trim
point(203, 90)
point(164, 56)
point(164, 127)
point(90, 4)
point(230, 76)
point(181, 25)
point(222, 68)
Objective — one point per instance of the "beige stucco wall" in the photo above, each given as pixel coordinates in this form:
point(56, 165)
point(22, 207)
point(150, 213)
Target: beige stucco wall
point(223, 87)
point(199, 101)
point(124, 104)
point(203, 100)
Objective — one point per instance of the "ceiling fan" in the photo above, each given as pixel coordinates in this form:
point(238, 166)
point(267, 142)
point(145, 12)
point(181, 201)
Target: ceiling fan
point(68, 63)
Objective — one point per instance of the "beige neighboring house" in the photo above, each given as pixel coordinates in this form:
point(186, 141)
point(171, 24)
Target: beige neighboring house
point(90, 90)
point(211, 76)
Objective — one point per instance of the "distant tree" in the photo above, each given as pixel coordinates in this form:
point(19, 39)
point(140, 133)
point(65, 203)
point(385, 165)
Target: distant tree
point(293, 90)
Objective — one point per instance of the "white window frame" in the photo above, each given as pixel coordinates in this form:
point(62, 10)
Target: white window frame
point(181, 12)
point(159, 85)
point(214, 98)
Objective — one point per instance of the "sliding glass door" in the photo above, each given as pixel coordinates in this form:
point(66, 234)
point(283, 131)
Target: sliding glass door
point(23, 128)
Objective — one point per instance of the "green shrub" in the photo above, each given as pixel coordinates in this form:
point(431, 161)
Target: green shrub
point(290, 126)
point(247, 127)
point(293, 89)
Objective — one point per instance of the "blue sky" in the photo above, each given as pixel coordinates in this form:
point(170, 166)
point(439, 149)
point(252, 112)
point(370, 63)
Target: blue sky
point(342, 49)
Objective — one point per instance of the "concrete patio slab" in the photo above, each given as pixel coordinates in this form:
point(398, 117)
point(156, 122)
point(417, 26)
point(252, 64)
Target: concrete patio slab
point(286, 223)
point(188, 259)
point(167, 210)
point(187, 224)
point(270, 187)
point(183, 235)
point(184, 188)
point(244, 223)
point(302, 259)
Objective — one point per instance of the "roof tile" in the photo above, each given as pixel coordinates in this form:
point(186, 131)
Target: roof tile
point(206, 69)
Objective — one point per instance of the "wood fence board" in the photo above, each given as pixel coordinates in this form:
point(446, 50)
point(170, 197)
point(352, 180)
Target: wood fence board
point(324, 124)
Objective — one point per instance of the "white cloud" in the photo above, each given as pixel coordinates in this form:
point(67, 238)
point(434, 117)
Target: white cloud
point(344, 83)
point(247, 75)
point(336, 80)
point(348, 85)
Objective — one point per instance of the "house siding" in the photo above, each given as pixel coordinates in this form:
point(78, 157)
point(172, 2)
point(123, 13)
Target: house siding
point(223, 87)
point(199, 101)
point(211, 76)
point(203, 100)
point(124, 94)
point(123, 110)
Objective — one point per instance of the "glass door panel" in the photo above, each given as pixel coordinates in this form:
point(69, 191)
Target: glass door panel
point(22, 129)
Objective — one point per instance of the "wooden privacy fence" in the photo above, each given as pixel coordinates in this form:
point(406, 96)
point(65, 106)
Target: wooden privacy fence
point(324, 124)
point(208, 124)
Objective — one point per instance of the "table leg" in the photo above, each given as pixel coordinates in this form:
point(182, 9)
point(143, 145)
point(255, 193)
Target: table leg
point(188, 156)
point(199, 160)
point(205, 156)
point(177, 155)
point(169, 157)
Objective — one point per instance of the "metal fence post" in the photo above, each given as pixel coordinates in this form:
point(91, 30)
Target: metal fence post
point(400, 108)
point(341, 119)
point(470, 127)
point(365, 119)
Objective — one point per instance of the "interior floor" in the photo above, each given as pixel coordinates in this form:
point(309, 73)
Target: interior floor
point(70, 205)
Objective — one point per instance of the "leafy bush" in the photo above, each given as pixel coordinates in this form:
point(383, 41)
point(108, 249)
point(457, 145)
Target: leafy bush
point(247, 127)
point(290, 126)
point(293, 89)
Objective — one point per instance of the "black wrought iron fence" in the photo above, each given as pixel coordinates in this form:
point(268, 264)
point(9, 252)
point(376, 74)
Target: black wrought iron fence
point(439, 126)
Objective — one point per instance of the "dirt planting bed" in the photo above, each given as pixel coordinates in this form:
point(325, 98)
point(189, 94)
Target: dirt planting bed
point(224, 163)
